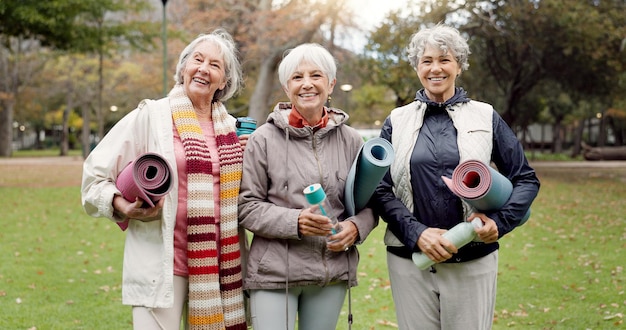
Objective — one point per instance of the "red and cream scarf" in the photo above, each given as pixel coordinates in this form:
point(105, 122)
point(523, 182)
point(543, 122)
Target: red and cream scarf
point(215, 279)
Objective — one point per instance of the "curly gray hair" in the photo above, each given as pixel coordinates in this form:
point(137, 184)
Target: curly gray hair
point(442, 36)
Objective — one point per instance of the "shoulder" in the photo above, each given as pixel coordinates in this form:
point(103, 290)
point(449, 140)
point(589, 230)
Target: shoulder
point(150, 106)
point(403, 110)
point(477, 106)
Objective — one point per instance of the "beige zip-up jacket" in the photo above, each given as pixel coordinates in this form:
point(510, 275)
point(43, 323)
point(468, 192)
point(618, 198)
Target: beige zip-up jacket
point(279, 162)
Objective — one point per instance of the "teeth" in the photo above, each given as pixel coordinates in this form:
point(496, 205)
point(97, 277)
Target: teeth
point(436, 79)
point(201, 81)
point(307, 95)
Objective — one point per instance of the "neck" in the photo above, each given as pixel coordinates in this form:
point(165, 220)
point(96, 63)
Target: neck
point(204, 112)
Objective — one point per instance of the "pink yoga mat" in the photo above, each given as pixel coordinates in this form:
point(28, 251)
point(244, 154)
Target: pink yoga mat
point(481, 186)
point(147, 177)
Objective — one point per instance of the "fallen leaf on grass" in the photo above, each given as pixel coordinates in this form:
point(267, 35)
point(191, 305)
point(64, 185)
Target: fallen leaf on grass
point(388, 323)
point(614, 316)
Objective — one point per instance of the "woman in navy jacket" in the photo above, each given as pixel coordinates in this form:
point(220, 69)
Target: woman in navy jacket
point(431, 136)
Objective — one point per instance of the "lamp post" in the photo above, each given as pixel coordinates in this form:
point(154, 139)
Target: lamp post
point(164, 37)
point(347, 88)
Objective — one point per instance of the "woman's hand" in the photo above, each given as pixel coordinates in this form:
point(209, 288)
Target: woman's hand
point(313, 224)
point(345, 238)
point(489, 231)
point(243, 139)
point(435, 246)
point(135, 210)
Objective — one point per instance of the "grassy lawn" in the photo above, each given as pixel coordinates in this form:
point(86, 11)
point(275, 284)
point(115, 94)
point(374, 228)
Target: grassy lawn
point(564, 269)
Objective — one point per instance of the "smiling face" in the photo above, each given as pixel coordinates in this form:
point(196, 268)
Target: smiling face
point(437, 73)
point(204, 73)
point(308, 89)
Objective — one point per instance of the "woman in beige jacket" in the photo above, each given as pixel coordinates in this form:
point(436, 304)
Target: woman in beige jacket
point(294, 266)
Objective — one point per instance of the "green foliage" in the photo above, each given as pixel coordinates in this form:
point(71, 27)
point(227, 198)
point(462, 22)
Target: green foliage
point(384, 58)
point(77, 25)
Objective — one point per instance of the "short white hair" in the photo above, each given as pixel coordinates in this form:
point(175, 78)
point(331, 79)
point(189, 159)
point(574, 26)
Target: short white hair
point(312, 53)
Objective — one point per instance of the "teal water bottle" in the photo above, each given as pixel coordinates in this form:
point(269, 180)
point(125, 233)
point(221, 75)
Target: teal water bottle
point(316, 196)
point(245, 125)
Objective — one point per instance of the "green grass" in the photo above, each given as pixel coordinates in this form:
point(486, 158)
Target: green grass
point(564, 269)
point(58, 268)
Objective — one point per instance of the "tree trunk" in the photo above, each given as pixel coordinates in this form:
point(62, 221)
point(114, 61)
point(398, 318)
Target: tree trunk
point(86, 131)
point(6, 128)
point(578, 138)
point(557, 138)
point(65, 133)
point(259, 101)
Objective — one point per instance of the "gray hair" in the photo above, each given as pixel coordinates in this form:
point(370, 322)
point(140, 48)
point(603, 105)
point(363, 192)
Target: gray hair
point(442, 36)
point(312, 53)
point(224, 41)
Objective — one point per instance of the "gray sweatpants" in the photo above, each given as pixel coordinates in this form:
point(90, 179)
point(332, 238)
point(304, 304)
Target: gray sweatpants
point(455, 297)
point(317, 307)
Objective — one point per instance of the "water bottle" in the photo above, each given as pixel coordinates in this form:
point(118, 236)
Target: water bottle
point(316, 196)
point(459, 235)
point(245, 125)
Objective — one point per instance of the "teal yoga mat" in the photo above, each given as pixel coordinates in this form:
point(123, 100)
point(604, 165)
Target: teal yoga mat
point(481, 186)
point(368, 168)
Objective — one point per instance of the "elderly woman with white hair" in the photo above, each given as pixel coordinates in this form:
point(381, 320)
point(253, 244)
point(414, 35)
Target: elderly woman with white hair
point(442, 128)
point(296, 266)
point(183, 253)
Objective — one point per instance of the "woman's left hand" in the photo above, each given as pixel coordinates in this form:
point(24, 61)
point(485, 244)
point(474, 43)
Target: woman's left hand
point(489, 231)
point(343, 240)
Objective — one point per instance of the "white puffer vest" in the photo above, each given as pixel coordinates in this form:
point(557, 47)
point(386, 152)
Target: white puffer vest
point(473, 123)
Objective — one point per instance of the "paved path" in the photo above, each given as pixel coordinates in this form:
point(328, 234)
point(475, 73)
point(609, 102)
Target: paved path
point(41, 160)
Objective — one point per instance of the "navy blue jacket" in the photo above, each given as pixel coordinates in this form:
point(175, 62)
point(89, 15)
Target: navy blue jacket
point(436, 154)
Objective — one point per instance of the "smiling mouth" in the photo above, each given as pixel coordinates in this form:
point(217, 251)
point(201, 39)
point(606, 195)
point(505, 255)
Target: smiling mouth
point(308, 95)
point(437, 79)
point(200, 81)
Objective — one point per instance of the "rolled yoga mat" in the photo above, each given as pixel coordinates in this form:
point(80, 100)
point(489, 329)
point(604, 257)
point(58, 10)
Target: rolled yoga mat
point(481, 186)
point(147, 177)
point(368, 168)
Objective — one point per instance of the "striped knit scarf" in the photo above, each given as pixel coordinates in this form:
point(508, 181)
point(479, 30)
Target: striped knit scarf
point(215, 280)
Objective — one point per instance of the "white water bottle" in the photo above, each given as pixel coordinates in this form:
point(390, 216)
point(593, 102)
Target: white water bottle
point(316, 196)
point(458, 235)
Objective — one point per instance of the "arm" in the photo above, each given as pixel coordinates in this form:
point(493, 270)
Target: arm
point(508, 155)
point(102, 166)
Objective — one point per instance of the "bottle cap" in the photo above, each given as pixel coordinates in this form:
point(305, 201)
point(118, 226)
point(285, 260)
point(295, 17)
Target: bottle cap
point(314, 193)
point(245, 125)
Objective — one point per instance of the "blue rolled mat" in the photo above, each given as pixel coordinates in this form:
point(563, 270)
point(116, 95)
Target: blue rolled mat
point(481, 186)
point(368, 168)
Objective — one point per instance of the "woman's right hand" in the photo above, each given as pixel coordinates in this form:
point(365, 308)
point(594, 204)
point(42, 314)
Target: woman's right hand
point(135, 210)
point(435, 246)
point(313, 224)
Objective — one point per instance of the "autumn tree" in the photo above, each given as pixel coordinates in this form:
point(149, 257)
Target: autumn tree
point(264, 30)
point(81, 26)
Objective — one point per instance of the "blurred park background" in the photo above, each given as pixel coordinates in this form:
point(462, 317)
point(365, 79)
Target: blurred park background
point(554, 69)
